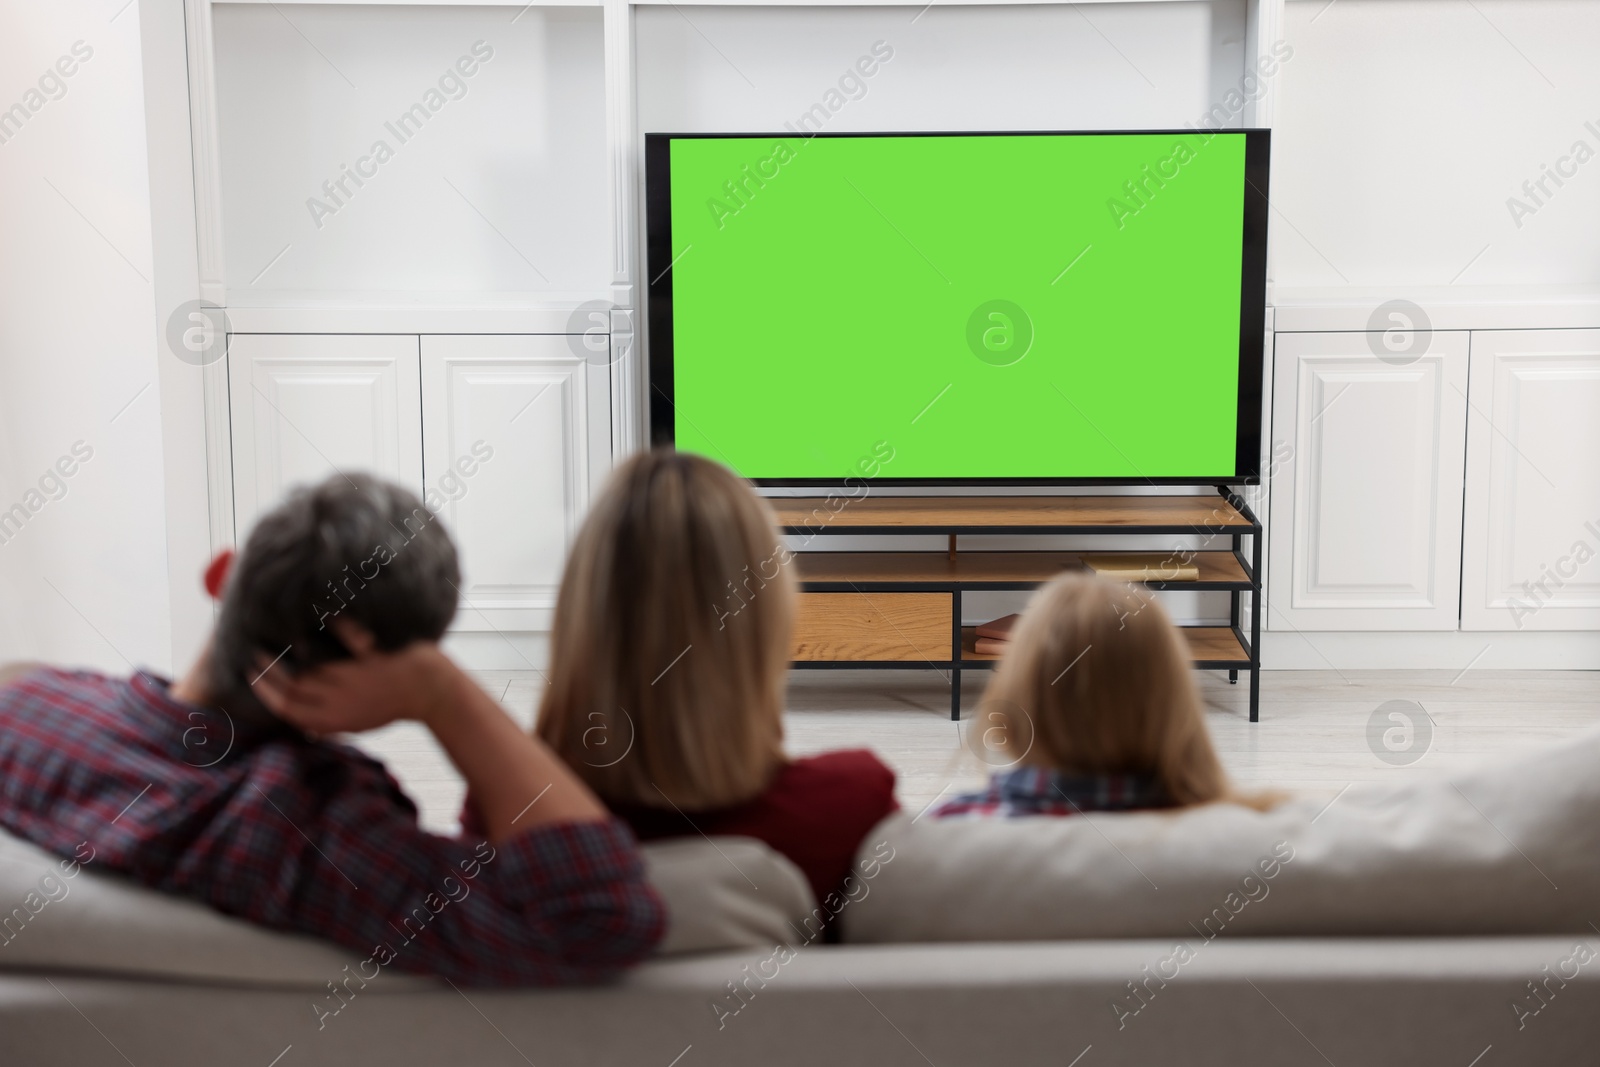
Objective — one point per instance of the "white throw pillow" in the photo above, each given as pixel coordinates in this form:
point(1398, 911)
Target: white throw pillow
point(723, 893)
point(1511, 848)
point(726, 893)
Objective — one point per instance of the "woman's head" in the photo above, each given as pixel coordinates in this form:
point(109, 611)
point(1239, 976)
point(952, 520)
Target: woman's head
point(1098, 681)
point(671, 639)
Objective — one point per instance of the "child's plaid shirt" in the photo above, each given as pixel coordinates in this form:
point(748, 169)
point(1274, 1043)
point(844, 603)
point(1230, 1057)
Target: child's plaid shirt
point(1025, 791)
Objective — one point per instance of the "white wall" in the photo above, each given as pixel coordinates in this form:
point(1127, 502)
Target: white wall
point(1404, 125)
point(85, 579)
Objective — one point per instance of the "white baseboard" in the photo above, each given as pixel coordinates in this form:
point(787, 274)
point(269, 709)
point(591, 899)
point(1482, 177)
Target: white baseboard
point(1453, 650)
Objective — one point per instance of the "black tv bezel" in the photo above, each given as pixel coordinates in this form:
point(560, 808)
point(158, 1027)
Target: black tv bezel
point(1252, 305)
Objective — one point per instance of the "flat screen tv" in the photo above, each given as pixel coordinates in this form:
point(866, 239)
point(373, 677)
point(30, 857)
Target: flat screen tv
point(960, 308)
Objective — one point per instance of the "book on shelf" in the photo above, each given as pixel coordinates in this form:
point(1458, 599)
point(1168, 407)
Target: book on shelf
point(999, 629)
point(1143, 567)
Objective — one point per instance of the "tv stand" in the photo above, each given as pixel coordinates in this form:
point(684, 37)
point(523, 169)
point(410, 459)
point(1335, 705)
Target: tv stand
point(900, 609)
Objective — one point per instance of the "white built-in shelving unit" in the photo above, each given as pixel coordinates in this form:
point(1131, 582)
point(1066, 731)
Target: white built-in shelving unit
point(494, 237)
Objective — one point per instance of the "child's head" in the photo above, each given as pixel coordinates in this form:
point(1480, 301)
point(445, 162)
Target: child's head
point(1098, 681)
point(671, 639)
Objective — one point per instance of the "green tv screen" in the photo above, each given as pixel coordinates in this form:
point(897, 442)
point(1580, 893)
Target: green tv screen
point(1054, 308)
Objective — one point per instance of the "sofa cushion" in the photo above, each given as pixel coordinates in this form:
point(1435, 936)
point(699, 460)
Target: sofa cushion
point(1512, 847)
point(726, 893)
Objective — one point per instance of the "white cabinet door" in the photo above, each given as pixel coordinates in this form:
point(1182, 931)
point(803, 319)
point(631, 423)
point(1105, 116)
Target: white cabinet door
point(1366, 515)
point(307, 405)
point(1533, 482)
point(529, 418)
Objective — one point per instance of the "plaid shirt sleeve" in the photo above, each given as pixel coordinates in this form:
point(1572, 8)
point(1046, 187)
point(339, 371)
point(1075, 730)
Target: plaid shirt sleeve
point(313, 838)
point(554, 905)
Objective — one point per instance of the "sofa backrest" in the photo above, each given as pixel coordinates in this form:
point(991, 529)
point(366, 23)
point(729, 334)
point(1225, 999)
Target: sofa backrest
point(1513, 847)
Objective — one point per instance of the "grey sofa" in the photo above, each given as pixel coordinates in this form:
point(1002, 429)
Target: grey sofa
point(1451, 923)
point(1410, 1002)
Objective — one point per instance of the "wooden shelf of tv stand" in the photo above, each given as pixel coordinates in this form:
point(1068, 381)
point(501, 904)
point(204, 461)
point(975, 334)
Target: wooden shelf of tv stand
point(1211, 648)
point(839, 572)
point(1010, 514)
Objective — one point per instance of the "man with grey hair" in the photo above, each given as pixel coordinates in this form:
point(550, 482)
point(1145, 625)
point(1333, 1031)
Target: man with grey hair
point(223, 786)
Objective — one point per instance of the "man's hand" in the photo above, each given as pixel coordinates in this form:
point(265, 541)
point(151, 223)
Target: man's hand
point(370, 690)
point(515, 781)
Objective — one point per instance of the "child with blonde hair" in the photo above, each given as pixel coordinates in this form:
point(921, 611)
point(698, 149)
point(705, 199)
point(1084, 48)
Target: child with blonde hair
point(1096, 708)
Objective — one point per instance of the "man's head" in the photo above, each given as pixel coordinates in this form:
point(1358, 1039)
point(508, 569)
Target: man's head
point(353, 548)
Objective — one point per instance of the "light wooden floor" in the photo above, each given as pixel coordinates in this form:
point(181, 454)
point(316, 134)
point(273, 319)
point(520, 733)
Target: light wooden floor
point(1313, 734)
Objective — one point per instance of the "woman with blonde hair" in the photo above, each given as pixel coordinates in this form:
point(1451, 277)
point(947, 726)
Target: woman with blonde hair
point(1095, 708)
point(668, 660)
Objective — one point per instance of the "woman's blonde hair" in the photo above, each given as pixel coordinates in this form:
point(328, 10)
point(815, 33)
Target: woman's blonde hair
point(671, 639)
point(1097, 681)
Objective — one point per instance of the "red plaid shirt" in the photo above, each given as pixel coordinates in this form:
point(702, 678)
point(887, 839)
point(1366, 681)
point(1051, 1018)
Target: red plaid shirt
point(261, 822)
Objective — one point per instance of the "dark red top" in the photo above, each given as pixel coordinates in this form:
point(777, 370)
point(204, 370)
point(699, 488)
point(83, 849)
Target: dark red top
point(815, 812)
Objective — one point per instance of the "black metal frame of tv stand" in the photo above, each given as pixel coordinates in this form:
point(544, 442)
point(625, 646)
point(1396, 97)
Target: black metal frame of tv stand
point(961, 660)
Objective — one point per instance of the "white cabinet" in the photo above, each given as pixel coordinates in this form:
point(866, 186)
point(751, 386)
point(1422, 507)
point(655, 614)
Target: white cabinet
point(505, 436)
point(1533, 482)
point(517, 435)
point(1366, 512)
point(305, 406)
